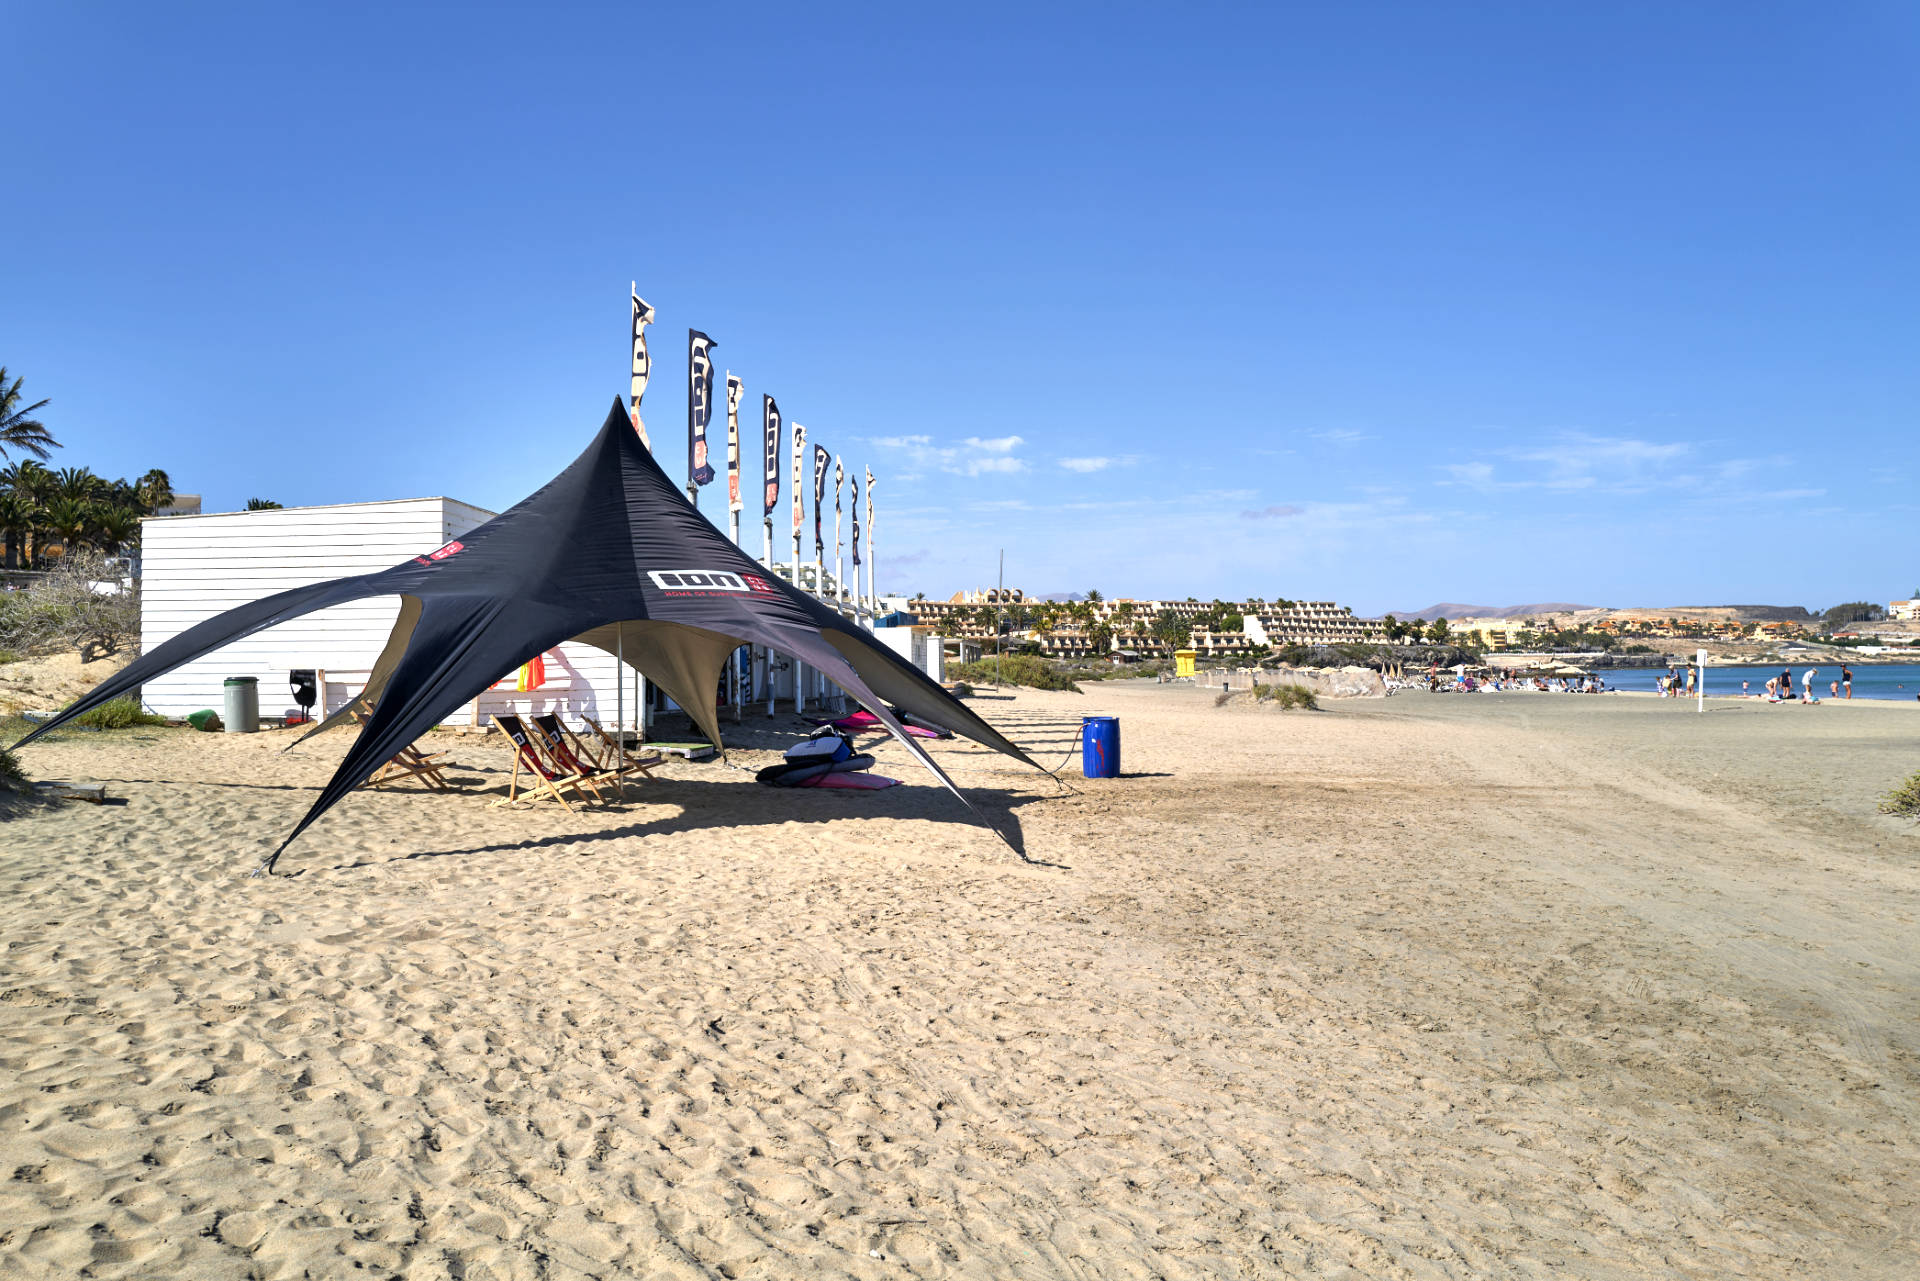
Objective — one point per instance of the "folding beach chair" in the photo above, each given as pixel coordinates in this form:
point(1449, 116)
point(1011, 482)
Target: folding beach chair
point(409, 762)
point(546, 780)
point(607, 759)
point(555, 741)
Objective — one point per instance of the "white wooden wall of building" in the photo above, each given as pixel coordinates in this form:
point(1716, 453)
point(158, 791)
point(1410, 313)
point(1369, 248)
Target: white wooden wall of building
point(194, 567)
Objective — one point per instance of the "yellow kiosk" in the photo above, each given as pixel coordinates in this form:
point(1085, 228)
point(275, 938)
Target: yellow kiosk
point(1183, 662)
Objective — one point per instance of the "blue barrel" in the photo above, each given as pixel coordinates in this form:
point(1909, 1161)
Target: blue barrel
point(1100, 746)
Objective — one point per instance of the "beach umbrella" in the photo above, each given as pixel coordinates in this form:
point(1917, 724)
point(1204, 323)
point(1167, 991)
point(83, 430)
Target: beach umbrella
point(608, 553)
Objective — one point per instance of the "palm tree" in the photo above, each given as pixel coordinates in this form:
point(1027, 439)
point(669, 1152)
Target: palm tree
point(34, 485)
point(78, 483)
point(115, 527)
point(262, 505)
point(154, 491)
point(68, 520)
point(19, 429)
point(15, 522)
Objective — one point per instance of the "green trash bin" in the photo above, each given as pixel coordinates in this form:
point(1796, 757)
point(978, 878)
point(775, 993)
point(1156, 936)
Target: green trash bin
point(242, 715)
point(206, 719)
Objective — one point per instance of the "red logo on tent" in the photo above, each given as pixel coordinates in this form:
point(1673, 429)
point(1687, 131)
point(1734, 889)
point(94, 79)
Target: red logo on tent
point(443, 553)
point(757, 583)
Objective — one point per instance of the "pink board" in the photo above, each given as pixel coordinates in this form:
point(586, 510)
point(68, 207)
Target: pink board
point(850, 782)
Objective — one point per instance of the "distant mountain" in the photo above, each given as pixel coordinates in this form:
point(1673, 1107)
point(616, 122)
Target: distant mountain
point(1454, 609)
point(1737, 613)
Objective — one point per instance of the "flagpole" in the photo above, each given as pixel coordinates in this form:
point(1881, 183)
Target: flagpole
point(733, 456)
point(819, 562)
point(737, 695)
point(799, 515)
point(642, 372)
point(839, 548)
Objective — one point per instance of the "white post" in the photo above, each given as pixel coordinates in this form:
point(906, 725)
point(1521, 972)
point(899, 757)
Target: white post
point(799, 516)
point(620, 699)
point(1700, 688)
point(765, 666)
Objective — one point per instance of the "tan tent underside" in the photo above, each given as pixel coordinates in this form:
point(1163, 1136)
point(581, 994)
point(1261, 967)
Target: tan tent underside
point(687, 662)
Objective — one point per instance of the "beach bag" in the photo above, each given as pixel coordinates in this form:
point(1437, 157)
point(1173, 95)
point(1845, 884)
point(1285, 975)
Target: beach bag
point(827, 745)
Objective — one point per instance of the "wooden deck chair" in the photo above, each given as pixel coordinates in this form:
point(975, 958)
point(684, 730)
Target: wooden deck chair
point(554, 742)
point(409, 762)
point(544, 779)
point(608, 757)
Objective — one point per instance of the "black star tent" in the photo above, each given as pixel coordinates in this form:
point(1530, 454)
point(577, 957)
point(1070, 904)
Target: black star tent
point(609, 553)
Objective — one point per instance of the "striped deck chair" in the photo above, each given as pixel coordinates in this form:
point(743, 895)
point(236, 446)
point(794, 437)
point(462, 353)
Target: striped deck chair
point(410, 762)
point(546, 779)
point(559, 745)
point(607, 758)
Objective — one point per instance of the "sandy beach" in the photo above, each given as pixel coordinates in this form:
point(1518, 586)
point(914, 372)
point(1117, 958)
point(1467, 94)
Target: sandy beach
point(1434, 986)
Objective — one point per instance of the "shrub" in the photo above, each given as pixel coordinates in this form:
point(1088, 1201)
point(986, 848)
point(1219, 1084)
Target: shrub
point(1904, 800)
point(962, 690)
point(64, 610)
point(120, 713)
point(12, 777)
point(1287, 696)
point(1015, 669)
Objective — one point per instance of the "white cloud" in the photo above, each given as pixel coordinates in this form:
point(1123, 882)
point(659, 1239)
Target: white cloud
point(1474, 475)
point(1098, 462)
point(1680, 472)
point(974, 456)
point(1275, 512)
point(1341, 436)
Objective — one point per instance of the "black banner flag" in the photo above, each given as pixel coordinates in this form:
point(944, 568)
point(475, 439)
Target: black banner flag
point(770, 424)
point(699, 404)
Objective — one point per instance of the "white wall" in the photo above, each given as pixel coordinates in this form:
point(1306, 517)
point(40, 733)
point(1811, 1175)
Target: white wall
point(197, 566)
point(917, 646)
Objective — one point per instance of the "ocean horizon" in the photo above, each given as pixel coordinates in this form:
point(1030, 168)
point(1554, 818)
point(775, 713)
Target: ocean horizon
point(1884, 681)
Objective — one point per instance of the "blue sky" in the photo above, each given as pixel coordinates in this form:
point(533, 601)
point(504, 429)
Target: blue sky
point(1385, 303)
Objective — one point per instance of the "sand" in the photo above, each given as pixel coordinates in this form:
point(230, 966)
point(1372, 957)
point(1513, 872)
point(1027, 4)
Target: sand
point(1435, 986)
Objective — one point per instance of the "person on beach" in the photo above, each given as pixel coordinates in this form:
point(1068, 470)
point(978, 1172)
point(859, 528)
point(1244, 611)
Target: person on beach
point(1786, 682)
point(1846, 679)
point(1833, 689)
point(1744, 692)
point(1806, 685)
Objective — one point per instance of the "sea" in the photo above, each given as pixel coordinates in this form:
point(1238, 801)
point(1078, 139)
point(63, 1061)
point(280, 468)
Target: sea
point(1900, 681)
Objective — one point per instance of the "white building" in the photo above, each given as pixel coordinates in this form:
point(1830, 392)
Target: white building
point(194, 567)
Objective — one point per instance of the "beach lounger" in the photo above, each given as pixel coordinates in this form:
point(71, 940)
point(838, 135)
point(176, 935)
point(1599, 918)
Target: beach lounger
point(566, 751)
point(410, 762)
point(607, 759)
point(545, 778)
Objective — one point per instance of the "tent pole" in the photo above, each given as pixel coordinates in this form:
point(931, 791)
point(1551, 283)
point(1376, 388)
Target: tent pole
point(620, 700)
